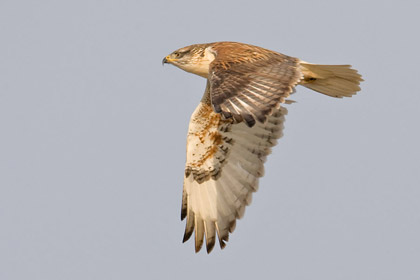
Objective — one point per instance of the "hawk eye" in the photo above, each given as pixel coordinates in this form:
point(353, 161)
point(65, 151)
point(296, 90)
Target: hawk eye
point(179, 54)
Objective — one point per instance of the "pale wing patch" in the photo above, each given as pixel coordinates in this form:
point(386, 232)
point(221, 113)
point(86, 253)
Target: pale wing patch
point(224, 163)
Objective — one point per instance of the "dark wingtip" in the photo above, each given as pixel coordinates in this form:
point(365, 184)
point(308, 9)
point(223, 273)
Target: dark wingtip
point(187, 236)
point(198, 246)
point(210, 245)
point(223, 240)
point(222, 244)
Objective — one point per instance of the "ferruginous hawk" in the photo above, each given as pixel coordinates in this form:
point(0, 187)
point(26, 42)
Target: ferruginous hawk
point(238, 120)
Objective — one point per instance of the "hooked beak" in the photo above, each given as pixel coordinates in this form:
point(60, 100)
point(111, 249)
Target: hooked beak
point(168, 59)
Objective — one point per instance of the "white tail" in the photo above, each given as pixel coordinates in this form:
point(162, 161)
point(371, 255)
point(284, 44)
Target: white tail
point(332, 80)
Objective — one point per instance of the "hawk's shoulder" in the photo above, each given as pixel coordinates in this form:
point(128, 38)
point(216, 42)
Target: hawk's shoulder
point(247, 82)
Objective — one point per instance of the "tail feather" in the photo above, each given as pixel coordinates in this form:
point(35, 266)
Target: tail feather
point(332, 80)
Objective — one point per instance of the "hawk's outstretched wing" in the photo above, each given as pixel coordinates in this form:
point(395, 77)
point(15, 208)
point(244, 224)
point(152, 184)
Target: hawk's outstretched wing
point(224, 162)
point(248, 83)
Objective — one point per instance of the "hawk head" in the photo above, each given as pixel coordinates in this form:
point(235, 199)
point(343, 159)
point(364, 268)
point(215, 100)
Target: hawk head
point(195, 59)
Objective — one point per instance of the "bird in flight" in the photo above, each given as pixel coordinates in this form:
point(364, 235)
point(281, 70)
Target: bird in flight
point(237, 122)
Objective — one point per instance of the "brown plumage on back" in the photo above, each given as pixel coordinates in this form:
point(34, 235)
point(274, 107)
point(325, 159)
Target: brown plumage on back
point(249, 82)
point(235, 125)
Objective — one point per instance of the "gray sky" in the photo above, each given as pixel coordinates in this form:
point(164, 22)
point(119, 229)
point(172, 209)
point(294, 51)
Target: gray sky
point(93, 130)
